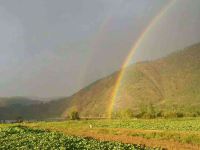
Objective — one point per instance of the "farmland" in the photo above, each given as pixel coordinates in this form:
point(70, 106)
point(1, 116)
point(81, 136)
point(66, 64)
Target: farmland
point(181, 133)
point(19, 137)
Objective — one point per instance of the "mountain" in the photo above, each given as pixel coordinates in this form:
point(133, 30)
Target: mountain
point(168, 84)
point(8, 101)
point(32, 109)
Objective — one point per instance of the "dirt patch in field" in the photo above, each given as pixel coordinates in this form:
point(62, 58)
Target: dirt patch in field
point(170, 145)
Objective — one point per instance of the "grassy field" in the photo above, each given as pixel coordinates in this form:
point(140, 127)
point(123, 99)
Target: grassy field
point(182, 124)
point(161, 133)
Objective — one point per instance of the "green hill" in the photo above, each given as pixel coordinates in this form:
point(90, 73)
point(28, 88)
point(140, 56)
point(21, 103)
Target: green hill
point(166, 85)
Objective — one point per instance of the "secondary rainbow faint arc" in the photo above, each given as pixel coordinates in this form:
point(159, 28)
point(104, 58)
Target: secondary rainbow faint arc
point(98, 37)
point(132, 52)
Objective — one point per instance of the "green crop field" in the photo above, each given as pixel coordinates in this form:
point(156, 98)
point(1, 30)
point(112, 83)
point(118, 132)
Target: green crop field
point(102, 134)
point(23, 138)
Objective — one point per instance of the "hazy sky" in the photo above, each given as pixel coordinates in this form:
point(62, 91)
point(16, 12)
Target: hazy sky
point(55, 47)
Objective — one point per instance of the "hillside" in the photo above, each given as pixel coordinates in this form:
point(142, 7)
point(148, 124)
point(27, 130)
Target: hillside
point(8, 101)
point(170, 83)
point(41, 110)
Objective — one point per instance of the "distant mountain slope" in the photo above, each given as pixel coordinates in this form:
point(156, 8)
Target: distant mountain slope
point(168, 83)
point(8, 101)
point(165, 83)
point(41, 110)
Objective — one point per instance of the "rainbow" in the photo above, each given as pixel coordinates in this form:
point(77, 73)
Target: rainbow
point(136, 45)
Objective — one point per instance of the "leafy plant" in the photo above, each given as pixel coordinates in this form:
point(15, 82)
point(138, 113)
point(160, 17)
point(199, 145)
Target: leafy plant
point(19, 137)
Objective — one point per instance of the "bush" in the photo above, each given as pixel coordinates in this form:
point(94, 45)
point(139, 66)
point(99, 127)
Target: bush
point(74, 115)
point(173, 114)
point(179, 115)
point(148, 112)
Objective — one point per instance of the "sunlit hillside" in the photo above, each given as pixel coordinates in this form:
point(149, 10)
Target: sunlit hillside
point(168, 83)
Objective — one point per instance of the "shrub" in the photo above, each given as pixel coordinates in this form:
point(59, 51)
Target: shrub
point(74, 115)
point(173, 114)
point(148, 112)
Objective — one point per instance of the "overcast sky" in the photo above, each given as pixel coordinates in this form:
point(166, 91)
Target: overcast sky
point(51, 48)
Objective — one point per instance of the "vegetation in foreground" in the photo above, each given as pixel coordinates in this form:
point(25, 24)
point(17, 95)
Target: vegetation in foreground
point(183, 130)
point(19, 137)
point(179, 133)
